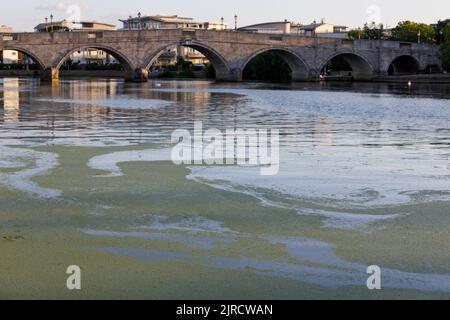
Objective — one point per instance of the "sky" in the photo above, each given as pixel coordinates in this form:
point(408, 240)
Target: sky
point(24, 15)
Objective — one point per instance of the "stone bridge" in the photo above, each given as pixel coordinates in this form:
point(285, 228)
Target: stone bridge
point(229, 52)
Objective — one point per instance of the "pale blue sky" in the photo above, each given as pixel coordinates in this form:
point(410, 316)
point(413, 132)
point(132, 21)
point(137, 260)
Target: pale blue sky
point(23, 15)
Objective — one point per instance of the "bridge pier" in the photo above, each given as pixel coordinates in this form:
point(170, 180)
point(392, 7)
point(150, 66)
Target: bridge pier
point(50, 74)
point(234, 75)
point(303, 77)
point(138, 75)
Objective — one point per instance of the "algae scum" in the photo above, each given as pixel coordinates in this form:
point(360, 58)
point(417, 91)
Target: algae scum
point(86, 179)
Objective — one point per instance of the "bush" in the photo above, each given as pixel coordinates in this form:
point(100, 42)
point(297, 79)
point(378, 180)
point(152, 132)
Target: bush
point(18, 66)
point(100, 67)
point(445, 48)
point(183, 69)
point(210, 71)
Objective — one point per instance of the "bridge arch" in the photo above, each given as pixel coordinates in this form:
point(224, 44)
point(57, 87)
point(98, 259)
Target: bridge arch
point(123, 59)
point(404, 65)
point(299, 68)
point(361, 68)
point(219, 63)
point(28, 53)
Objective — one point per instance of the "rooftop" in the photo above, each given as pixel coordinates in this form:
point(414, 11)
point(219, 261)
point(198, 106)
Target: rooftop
point(161, 18)
point(4, 28)
point(69, 25)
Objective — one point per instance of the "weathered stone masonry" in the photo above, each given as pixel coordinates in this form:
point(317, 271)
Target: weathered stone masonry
point(229, 52)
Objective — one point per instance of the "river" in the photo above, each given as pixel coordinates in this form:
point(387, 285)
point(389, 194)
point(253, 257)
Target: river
point(86, 180)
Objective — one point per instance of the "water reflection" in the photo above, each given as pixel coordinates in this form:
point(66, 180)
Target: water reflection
point(11, 100)
point(352, 157)
point(111, 111)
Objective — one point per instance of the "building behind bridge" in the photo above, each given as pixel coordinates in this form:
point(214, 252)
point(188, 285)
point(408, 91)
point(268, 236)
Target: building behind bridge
point(5, 29)
point(172, 55)
point(12, 57)
point(314, 29)
point(82, 57)
point(74, 26)
point(169, 22)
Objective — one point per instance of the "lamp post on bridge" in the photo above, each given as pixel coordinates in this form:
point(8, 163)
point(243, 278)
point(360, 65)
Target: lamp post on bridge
point(222, 20)
point(235, 22)
point(139, 20)
point(51, 22)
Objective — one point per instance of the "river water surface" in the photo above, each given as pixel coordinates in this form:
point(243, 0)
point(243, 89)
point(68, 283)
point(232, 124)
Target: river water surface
point(86, 179)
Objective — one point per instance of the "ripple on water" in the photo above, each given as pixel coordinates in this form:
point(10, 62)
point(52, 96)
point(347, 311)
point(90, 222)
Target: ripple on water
point(293, 185)
point(308, 261)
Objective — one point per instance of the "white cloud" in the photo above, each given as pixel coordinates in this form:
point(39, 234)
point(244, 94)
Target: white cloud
point(70, 11)
point(60, 6)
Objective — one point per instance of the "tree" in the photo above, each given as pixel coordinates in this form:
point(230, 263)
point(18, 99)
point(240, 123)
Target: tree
point(410, 31)
point(374, 31)
point(370, 31)
point(445, 48)
point(440, 30)
point(356, 34)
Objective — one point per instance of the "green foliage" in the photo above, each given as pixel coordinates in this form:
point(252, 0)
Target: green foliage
point(183, 69)
point(374, 31)
point(18, 66)
point(99, 67)
point(441, 29)
point(210, 71)
point(356, 34)
point(445, 49)
point(370, 31)
point(267, 66)
point(446, 32)
point(183, 64)
point(409, 31)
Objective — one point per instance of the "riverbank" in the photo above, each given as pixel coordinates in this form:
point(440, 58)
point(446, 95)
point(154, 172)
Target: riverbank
point(416, 78)
point(91, 74)
point(65, 73)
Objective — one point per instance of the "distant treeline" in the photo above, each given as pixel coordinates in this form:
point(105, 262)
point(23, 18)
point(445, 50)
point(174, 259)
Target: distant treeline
point(410, 31)
point(185, 69)
point(18, 66)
